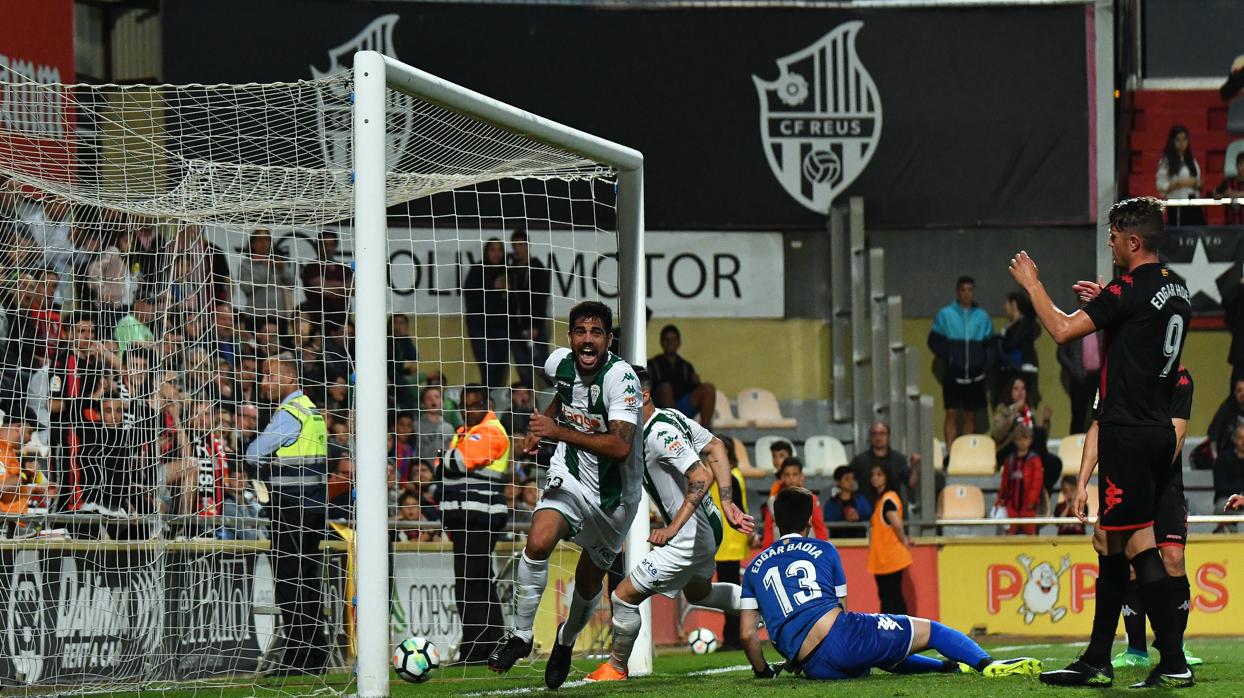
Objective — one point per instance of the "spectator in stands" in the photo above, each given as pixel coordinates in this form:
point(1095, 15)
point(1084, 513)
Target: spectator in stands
point(889, 551)
point(266, 281)
point(409, 511)
point(241, 508)
point(80, 375)
point(147, 255)
point(474, 514)
point(138, 324)
point(1179, 177)
point(17, 483)
point(214, 273)
point(529, 283)
point(903, 472)
point(1233, 187)
point(791, 475)
point(403, 363)
point(211, 465)
point(1016, 413)
point(434, 433)
point(487, 315)
point(1229, 469)
point(676, 383)
point(326, 283)
point(779, 451)
point(1018, 344)
point(522, 406)
point(339, 350)
point(107, 461)
point(960, 340)
point(526, 496)
point(341, 488)
point(1019, 494)
point(1230, 414)
point(1081, 361)
point(847, 503)
point(402, 454)
point(337, 400)
point(247, 423)
point(1066, 507)
point(33, 330)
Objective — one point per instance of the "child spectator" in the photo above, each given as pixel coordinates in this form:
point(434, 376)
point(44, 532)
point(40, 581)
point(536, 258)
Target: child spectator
point(1022, 478)
point(779, 451)
point(1066, 500)
point(847, 504)
point(791, 475)
point(1233, 187)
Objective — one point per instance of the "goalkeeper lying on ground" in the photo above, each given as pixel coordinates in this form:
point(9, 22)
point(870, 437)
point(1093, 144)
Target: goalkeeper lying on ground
point(798, 586)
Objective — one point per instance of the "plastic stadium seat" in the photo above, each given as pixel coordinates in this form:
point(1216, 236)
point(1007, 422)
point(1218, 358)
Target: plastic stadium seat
point(763, 457)
point(939, 453)
point(961, 502)
point(973, 454)
point(723, 416)
point(1233, 150)
point(821, 454)
point(761, 407)
point(740, 452)
point(1070, 449)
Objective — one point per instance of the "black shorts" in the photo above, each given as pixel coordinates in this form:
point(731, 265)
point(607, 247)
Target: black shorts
point(963, 396)
point(1134, 467)
point(1170, 527)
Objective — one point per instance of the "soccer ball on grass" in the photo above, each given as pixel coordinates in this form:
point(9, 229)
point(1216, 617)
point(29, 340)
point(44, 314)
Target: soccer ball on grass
point(415, 659)
point(702, 641)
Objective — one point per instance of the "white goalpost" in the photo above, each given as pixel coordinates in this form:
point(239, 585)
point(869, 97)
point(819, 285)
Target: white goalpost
point(375, 76)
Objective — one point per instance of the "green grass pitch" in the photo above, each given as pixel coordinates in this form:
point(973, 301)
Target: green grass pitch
point(685, 675)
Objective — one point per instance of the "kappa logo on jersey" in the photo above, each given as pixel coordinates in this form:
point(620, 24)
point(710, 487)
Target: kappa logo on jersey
point(820, 120)
point(336, 102)
point(887, 623)
point(1114, 495)
point(1115, 289)
point(630, 389)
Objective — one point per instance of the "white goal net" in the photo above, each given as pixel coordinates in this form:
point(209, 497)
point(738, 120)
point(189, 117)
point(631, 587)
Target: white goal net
point(179, 440)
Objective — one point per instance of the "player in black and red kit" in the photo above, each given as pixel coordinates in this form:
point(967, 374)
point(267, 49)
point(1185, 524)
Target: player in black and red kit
point(1144, 313)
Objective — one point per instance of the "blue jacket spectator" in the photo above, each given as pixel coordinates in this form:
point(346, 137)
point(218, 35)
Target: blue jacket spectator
point(847, 504)
point(961, 336)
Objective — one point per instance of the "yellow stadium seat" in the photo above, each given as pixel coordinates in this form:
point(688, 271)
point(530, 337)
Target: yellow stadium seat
point(973, 454)
point(761, 407)
point(939, 453)
point(821, 454)
point(723, 416)
point(961, 502)
point(1070, 449)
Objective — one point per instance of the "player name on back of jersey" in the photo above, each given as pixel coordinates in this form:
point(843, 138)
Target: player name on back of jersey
point(793, 546)
point(1167, 292)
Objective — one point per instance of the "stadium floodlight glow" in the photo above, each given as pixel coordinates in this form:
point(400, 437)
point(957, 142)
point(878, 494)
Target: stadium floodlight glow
point(376, 78)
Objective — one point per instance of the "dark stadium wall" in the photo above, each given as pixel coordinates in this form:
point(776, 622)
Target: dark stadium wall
point(1171, 27)
point(975, 123)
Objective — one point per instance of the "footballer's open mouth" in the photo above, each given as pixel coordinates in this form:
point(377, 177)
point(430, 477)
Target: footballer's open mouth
point(587, 356)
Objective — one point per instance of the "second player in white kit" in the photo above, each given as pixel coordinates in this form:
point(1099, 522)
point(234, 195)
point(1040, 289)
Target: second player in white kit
point(681, 462)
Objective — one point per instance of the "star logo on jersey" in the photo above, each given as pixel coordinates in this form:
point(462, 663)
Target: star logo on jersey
point(1114, 495)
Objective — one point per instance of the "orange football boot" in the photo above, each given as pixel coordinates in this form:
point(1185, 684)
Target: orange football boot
point(606, 672)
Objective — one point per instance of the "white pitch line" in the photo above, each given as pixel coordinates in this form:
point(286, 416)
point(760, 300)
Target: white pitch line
point(720, 670)
point(530, 689)
point(1012, 648)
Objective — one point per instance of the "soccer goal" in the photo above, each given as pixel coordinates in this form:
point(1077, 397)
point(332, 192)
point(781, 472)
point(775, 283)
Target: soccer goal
point(183, 266)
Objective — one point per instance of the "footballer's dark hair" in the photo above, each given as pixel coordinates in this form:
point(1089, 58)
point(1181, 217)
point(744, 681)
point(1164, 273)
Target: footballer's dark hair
point(792, 507)
point(588, 310)
point(645, 381)
point(1140, 216)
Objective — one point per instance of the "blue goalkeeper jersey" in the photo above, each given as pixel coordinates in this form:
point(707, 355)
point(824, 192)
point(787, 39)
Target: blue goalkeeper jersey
point(793, 583)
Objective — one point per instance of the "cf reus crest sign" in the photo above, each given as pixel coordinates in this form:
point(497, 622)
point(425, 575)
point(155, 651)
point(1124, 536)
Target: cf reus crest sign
point(820, 120)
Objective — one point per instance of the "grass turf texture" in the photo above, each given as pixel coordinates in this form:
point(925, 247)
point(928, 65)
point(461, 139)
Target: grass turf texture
point(1221, 675)
point(683, 674)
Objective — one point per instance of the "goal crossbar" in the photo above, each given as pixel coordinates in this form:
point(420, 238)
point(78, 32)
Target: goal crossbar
point(374, 75)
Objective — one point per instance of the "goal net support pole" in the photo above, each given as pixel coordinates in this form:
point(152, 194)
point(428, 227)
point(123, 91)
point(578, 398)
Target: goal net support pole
point(374, 75)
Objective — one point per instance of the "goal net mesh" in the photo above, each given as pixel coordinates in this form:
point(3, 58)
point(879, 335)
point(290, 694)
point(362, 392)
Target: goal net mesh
point(177, 280)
